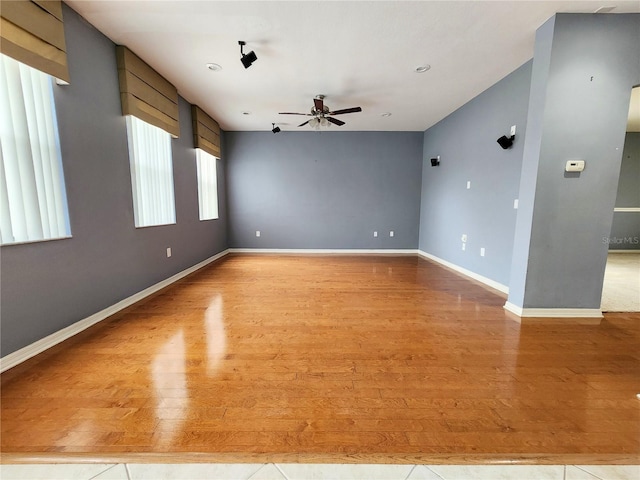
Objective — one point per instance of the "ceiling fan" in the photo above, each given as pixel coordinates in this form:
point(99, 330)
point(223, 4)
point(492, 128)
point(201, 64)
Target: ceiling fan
point(322, 115)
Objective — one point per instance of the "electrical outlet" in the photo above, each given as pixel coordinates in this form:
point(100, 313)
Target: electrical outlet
point(257, 233)
point(375, 234)
point(468, 184)
point(391, 234)
point(482, 252)
point(168, 252)
point(464, 237)
point(464, 246)
point(513, 130)
point(515, 204)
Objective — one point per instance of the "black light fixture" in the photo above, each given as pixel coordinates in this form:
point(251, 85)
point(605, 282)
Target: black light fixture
point(275, 129)
point(435, 161)
point(506, 142)
point(247, 59)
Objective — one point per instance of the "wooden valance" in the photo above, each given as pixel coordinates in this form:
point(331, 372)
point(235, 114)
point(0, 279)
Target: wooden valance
point(206, 131)
point(145, 93)
point(32, 32)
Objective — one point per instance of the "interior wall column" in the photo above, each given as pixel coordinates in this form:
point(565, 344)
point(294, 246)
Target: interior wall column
point(584, 68)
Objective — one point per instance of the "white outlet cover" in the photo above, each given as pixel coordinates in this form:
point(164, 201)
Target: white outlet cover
point(513, 130)
point(464, 246)
point(515, 204)
point(468, 184)
point(391, 234)
point(464, 237)
point(257, 233)
point(168, 252)
point(375, 234)
point(482, 252)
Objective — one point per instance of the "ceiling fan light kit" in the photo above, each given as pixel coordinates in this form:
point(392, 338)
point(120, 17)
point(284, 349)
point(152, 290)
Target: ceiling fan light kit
point(322, 115)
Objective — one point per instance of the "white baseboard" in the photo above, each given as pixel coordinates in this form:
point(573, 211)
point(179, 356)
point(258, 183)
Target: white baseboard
point(326, 251)
point(554, 312)
point(467, 273)
point(25, 353)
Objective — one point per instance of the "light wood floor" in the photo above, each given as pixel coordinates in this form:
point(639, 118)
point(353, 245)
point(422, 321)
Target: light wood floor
point(330, 359)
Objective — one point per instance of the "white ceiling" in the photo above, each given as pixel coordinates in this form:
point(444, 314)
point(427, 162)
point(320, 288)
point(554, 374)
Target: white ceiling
point(357, 53)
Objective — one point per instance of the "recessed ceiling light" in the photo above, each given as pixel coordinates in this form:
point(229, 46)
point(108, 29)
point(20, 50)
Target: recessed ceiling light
point(214, 67)
point(385, 114)
point(422, 68)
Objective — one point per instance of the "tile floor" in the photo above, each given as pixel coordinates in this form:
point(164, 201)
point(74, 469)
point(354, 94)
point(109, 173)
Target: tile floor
point(288, 471)
point(621, 287)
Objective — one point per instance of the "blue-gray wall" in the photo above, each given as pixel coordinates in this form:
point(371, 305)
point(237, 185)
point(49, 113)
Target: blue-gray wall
point(47, 286)
point(466, 143)
point(324, 189)
point(625, 232)
point(584, 68)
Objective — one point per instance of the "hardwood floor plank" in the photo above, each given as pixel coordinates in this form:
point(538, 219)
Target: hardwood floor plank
point(337, 358)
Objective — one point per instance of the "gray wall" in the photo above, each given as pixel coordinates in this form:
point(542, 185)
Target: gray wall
point(47, 286)
point(324, 189)
point(584, 68)
point(466, 143)
point(625, 232)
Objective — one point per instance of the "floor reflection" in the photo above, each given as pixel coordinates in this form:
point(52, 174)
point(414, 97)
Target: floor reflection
point(215, 334)
point(168, 372)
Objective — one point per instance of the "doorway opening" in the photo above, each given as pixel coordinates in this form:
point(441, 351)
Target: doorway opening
point(621, 286)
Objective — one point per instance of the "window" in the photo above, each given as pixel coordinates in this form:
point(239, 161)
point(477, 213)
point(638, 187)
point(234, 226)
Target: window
point(33, 202)
point(207, 185)
point(151, 174)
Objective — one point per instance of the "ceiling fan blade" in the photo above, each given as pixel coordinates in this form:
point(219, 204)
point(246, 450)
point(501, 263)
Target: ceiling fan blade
point(319, 104)
point(346, 110)
point(294, 113)
point(335, 121)
point(303, 124)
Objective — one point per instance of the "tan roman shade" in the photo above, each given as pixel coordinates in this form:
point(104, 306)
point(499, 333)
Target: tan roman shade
point(32, 32)
point(206, 132)
point(145, 93)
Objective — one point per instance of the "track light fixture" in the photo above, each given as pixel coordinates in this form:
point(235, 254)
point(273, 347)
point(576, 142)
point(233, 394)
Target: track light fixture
point(275, 129)
point(247, 59)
